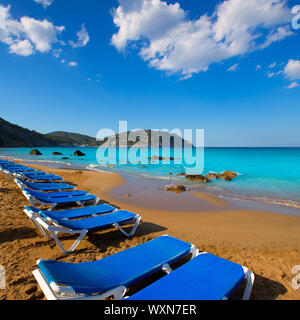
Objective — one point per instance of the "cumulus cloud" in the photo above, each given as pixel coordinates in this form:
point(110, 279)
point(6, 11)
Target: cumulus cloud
point(42, 33)
point(292, 69)
point(83, 38)
point(26, 35)
point(21, 48)
point(168, 40)
point(44, 3)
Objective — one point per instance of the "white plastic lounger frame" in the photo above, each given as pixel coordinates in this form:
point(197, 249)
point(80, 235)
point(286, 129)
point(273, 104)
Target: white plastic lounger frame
point(36, 202)
point(54, 229)
point(53, 291)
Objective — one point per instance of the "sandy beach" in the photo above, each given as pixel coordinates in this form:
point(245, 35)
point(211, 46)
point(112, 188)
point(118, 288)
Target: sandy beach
point(267, 243)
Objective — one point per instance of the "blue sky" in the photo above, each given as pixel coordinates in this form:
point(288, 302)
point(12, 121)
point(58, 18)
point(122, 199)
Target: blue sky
point(204, 64)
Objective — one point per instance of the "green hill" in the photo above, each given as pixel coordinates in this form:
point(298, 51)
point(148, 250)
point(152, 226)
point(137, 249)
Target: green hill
point(12, 135)
point(68, 138)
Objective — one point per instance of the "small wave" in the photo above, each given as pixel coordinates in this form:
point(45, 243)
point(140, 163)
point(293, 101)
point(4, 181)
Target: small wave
point(93, 165)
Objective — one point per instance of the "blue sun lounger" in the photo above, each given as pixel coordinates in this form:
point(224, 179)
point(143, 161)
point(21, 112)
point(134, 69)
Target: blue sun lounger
point(39, 199)
point(40, 177)
point(52, 223)
point(112, 275)
point(73, 213)
point(52, 195)
point(6, 162)
point(14, 170)
point(39, 186)
point(207, 277)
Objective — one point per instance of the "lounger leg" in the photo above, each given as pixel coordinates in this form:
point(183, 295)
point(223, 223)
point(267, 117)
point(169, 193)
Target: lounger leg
point(250, 277)
point(137, 221)
point(75, 244)
point(33, 220)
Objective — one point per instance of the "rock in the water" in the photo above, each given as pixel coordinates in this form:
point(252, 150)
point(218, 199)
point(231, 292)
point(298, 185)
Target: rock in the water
point(176, 188)
point(57, 154)
point(230, 174)
point(197, 178)
point(65, 158)
point(226, 175)
point(212, 175)
point(35, 152)
point(78, 153)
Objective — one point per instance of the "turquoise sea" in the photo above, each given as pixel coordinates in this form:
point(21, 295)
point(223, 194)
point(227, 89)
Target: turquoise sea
point(265, 174)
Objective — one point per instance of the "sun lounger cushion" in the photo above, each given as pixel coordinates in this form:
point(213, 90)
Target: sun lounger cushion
point(124, 268)
point(46, 186)
point(75, 213)
point(206, 277)
point(56, 194)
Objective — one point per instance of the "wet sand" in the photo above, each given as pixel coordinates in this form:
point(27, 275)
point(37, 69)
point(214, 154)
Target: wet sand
point(267, 243)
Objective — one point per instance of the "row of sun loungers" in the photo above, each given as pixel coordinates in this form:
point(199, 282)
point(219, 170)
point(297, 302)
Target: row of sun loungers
point(203, 277)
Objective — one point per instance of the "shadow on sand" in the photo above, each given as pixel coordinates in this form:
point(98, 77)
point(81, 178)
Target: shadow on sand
point(4, 190)
point(263, 289)
point(113, 238)
point(17, 234)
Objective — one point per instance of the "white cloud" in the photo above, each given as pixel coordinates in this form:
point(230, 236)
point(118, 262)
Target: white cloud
point(170, 41)
point(292, 69)
point(73, 64)
point(233, 68)
point(272, 65)
point(26, 35)
point(258, 67)
point(44, 3)
point(293, 85)
point(42, 33)
point(21, 48)
point(273, 74)
point(83, 38)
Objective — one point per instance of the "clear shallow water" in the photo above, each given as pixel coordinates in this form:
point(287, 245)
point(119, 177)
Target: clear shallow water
point(266, 174)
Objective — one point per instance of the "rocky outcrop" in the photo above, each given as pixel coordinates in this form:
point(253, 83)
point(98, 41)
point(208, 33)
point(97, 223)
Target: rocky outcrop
point(230, 174)
point(197, 178)
point(35, 152)
point(57, 154)
point(176, 188)
point(212, 175)
point(226, 175)
point(78, 153)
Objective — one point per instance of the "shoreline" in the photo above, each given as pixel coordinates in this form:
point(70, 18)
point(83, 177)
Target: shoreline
point(267, 243)
point(262, 203)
